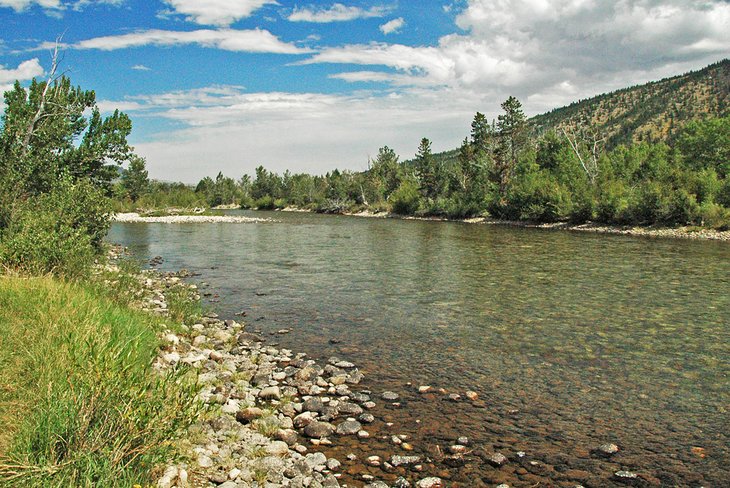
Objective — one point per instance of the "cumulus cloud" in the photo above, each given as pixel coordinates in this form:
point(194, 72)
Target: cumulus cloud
point(311, 132)
point(21, 5)
point(25, 71)
point(535, 48)
point(216, 12)
point(252, 41)
point(336, 13)
point(393, 26)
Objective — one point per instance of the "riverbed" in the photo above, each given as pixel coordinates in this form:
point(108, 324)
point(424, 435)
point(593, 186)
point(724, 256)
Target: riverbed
point(569, 340)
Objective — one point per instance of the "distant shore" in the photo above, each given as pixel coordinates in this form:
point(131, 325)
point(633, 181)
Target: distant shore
point(186, 219)
point(655, 232)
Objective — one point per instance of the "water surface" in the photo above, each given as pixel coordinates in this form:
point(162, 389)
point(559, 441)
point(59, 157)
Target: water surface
point(571, 340)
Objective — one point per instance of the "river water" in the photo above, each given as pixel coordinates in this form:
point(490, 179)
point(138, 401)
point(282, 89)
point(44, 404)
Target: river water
point(571, 340)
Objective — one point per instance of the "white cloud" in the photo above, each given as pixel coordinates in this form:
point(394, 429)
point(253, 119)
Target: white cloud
point(252, 41)
point(393, 26)
point(21, 5)
point(141, 67)
point(25, 71)
point(298, 131)
point(530, 48)
point(216, 12)
point(336, 13)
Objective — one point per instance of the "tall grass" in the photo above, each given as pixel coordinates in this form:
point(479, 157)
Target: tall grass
point(79, 404)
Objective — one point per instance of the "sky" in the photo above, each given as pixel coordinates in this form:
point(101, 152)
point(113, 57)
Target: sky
point(309, 86)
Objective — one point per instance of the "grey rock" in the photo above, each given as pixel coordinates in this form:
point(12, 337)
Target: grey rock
point(315, 459)
point(330, 482)
point(431, 482)
point(367, 418)
point(348, 408)
point(404, 460)
point(401, 483)
point(333, 464)
point(349, 427)
point(390, 396)
point(317, 429)
point(627, 477)
point(270, 393)
point(314, 404)
point(607, 449)
point(497, 459)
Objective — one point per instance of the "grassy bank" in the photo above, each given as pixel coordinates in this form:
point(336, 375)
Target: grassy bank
point(79, 402)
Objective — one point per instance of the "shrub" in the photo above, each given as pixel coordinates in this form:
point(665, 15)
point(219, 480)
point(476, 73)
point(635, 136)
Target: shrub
point(406, 199)
point(264, 203)
point(537, 197)
point(714, 216)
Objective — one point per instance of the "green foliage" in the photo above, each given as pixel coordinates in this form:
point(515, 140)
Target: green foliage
point(80, 405)
point(135, 179)
point(706, 145)
point(406, 199)
point(56, 232)
point(538, 197)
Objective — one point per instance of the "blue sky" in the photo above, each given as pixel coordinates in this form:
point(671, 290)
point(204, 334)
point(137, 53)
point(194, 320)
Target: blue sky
point(309, 86)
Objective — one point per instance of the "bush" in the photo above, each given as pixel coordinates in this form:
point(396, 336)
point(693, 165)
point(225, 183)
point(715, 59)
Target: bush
point(264, 203)
point(406, 199)
point(537, 197)
point(714, 216)
point(59, 232)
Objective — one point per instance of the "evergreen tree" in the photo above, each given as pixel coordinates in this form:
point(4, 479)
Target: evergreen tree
point(135, 180)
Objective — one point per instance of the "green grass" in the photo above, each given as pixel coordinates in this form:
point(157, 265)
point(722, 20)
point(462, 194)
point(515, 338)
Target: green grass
point(79, 403)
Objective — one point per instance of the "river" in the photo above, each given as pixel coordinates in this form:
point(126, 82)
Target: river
point(570, 340)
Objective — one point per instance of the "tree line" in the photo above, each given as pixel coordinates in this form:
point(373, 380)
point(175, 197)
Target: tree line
point(505, 171)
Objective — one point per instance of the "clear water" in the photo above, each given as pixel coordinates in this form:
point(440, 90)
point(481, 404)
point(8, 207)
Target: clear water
point(571, 340)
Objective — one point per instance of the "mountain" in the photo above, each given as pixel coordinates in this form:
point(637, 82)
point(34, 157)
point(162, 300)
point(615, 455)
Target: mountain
point(651, 112)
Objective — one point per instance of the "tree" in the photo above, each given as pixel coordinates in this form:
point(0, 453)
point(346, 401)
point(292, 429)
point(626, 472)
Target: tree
point(387, 171)
point(512, 137)
point(41, 127)
point(135, 180)
point(427, 170)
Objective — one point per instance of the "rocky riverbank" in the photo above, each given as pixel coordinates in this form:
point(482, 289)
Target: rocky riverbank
point(186, 219)
point(687, 232)
point(267, 413)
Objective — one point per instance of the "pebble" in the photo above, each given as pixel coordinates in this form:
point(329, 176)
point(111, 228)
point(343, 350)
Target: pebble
point(349, 427)
point(431, 482)
point(390, 396)
point(608, 449)
point(497, 459)
point(374, 460)
point(472, 395)
point(317, 429)
point(397, 460)
point(270, 393)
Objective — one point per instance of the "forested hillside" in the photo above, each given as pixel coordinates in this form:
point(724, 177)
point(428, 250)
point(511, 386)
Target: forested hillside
point(652, 112)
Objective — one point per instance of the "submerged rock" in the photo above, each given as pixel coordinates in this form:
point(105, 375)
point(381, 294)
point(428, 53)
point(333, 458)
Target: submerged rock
point(349, 427)
point(317, 429)
point(390, 396)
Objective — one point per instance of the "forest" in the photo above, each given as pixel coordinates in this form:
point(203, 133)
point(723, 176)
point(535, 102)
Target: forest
point(503, 170)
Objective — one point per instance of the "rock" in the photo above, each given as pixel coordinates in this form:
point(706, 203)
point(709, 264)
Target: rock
point(457, 449)
point(168, 478)
point(404, 460)
point(366, 418)
point(204, 461)
point(270, 393)
point(228, 484)
point(304, 419)
point(406, 446)
point(248, 414)
point(472, 395)
point(607, 450)
point(344, 365)
point(432, 482)
point(401, 483)
point(376, 484)
point(348, 408)
point(363, 434)
point(625, 477)
point(234, 473)
point(333, 464)
point(369, 405)
point(390, 396)
point(246, 338)
point(454, 397)
point(330, 482)
point(287, 435)
point(464, 441)
point(318, 429)
point(277, 448)
point(349, 427)
point(497, 459)
point(313, 404)
point(374, 460)
point(424, 389)
point(315, 459)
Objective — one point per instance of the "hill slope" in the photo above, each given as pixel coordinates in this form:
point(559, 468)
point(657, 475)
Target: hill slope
point(651, 112)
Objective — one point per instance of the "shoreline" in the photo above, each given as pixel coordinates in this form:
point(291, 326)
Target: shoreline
point(133, 217)
point(685, 232)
